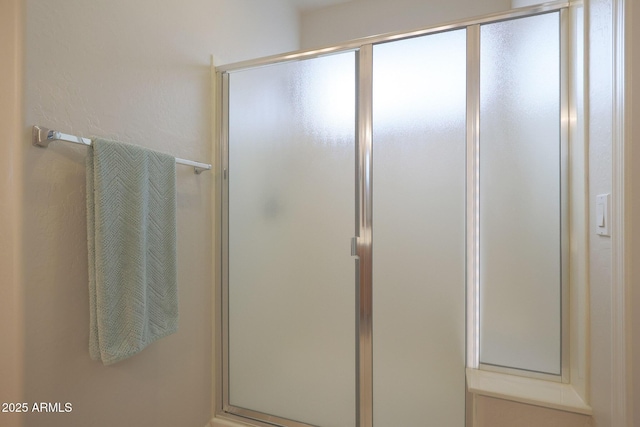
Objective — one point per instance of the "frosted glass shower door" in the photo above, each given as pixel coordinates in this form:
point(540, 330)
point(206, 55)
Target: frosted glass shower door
point(419, 105)
point(291, 292)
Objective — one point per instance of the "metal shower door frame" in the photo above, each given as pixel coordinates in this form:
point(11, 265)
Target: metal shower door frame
point(362, 243)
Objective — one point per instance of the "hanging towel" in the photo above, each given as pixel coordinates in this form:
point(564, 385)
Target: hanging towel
point(131, 230)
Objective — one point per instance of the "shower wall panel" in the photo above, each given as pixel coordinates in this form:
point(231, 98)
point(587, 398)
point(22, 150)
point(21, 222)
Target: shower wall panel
point(520, 197)
point(419, 99)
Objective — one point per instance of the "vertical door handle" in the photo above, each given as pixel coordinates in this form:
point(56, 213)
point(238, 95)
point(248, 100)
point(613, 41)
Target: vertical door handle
point(354, 246)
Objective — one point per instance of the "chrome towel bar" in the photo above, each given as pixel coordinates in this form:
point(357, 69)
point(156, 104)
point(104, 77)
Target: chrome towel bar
point(43, 136)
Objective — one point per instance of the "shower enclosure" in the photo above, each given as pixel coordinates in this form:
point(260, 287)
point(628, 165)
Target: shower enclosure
point(391, 213)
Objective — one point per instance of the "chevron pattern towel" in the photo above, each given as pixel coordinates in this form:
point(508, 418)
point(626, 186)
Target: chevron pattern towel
point(131, 230)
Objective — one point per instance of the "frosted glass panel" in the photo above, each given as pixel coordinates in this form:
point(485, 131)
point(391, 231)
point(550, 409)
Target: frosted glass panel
point(291, 218)
point(520, 194)
point(418, 231)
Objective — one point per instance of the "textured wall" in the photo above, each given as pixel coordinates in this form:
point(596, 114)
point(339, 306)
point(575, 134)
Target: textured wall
point(633, 40)
point(362, 18)
point(10, 209)
point(524, 3)
point(600, 128)
point(135, 71)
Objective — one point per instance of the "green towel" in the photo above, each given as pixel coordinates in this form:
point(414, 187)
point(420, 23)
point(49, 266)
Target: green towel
point(131, 231)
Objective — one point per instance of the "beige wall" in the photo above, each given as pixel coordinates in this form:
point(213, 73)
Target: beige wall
point(491, 412)
point(600, 69)
point(362, 18)
point(633, 38)
point(139, 73)
point(523, 3)
point(11, 321)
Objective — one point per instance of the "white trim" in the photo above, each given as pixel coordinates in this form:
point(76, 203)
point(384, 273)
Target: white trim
point(578, 205)
point(225, 422)
point(473, 162)
point(530, 391)
point(620, 295)
point(220, 422)
point(215, 232)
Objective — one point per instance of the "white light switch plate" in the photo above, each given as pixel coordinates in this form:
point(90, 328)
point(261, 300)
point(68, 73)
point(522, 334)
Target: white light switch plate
point(602, 215)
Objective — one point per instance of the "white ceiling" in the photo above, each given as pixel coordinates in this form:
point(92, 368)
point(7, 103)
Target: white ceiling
point(305, 5)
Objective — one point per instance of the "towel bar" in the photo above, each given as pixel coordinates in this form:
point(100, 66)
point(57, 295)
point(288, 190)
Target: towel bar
point(43, 136)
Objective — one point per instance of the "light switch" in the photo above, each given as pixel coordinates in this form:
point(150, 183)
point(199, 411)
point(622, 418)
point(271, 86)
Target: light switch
point(602, 214)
